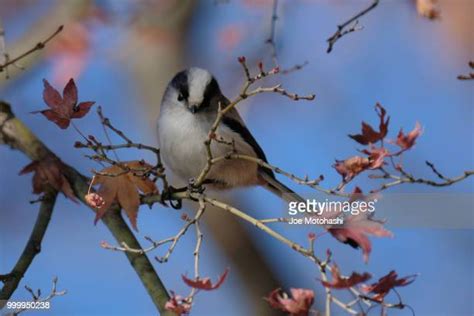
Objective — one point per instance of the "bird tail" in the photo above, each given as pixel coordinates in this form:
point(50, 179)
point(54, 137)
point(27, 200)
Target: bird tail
point(279, 189)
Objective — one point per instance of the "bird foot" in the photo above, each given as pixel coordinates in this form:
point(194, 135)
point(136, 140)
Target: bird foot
point(167, 196)
point(192, 188)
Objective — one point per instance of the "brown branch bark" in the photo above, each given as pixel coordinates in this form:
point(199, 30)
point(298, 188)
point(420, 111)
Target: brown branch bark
point(32, 248)
point(15, 134)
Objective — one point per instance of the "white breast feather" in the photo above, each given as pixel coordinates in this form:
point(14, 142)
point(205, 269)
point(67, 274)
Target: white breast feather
point(182, 146)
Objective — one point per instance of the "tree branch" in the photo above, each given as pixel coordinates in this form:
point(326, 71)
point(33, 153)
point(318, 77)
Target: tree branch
point(40, 45)
point(342, 28)
point(470, 75)
point(32, 248)
point(271, 40)
point(15, 134)
point(36, 296)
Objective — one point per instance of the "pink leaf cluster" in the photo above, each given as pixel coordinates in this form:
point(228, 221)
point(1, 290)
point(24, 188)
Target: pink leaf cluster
point(299, 304)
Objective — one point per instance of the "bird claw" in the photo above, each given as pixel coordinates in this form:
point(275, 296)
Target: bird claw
point(167, 196)
point(192, 188)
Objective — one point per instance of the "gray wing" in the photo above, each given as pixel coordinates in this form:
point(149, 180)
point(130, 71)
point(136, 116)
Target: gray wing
point(233, 121)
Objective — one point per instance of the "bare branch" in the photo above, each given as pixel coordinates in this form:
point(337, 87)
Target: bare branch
point(40, 45)
point(411, 179)
point(155, 244)
point(272, 42)
point(106, 122)
point(345, 28)
point(271, 38)
point(36, 296)
point(32, 248)
point(469, 76)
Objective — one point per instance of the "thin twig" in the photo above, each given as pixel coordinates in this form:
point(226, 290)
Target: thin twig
point(435, 171)
point(197, 248)
point(38, 46)
point(411, 179)
point(106, 133)
point(469, 76)
point(106, 122)
point(172, 240)
point(271, 40)
point(342, 28)
point(36, 296)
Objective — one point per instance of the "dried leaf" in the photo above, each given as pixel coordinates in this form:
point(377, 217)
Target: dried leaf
point(377, 156)
point(342, 282)
point(351, 167)
point(407, 141)
point(70, 94)
point(205, 283)
point(355, 229)
point(63, 109)
point(123, 186)
point(369, 135)
point(51, 96)
point(82, 109)
point(49, 171)
point(386, 283)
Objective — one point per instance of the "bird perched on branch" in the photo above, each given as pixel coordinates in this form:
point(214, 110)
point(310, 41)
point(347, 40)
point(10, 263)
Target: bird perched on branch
point(188, 111)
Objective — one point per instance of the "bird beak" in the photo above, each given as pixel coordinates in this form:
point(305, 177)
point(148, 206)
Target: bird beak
point(193, 108)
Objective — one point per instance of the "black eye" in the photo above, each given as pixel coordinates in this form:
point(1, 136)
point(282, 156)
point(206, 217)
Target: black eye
point(180, 97)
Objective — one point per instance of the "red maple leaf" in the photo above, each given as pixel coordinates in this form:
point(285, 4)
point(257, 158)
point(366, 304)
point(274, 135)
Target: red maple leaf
point(205, 283)
point(369, 135)
point(355, 229)
point(124, 187)
point(376, 156)
point(297, 305)
point(351, 167)
point(386, 283)
point(342, 282)
point(407, 141)
point(63, 109)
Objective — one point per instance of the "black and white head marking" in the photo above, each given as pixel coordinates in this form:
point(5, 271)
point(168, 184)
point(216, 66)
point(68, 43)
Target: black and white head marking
point(196, 88)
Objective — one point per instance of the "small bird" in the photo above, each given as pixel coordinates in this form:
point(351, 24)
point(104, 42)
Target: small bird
point(188, 110)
